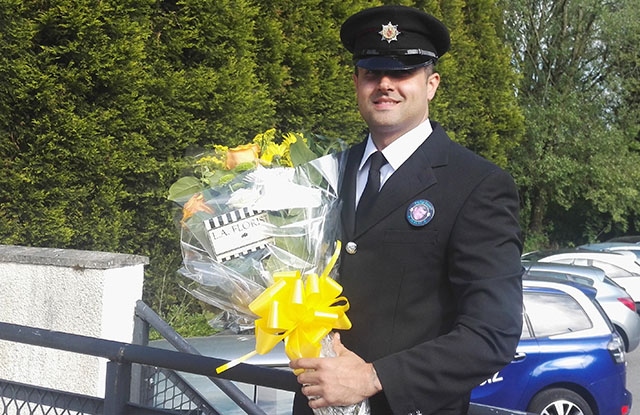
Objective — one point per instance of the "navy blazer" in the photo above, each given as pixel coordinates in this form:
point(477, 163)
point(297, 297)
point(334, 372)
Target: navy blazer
point(436, 307)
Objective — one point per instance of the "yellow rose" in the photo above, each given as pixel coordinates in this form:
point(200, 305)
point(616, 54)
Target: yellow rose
point(242, 154)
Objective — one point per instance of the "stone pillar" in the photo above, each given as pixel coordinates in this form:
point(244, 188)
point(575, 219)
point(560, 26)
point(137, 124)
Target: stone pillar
point(81, 292)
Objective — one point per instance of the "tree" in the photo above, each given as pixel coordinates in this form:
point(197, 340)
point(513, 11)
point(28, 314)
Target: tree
point(477, 102)
point(620, 29)
point(576, 174)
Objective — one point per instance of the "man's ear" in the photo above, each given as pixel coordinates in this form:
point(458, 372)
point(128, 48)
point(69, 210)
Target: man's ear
point(433, 81)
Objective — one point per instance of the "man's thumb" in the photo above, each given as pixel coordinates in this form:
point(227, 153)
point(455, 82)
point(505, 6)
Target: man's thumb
point(338, 347)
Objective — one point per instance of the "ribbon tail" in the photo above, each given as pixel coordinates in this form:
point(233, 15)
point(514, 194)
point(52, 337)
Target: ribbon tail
point(234, 362)
point(333, 260)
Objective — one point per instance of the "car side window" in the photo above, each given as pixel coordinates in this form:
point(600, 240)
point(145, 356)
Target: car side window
point(580, 280)
point(565, 277)
point(578, 261)
point(610, 269)
point(552, 314)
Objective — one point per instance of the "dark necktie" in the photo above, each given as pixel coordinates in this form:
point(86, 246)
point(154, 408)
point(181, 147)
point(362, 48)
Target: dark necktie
point(376, 161)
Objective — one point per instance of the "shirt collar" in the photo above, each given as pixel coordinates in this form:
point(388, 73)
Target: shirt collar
point(401, 149)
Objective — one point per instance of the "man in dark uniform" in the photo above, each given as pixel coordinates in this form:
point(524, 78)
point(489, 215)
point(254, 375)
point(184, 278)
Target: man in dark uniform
point(431, 258)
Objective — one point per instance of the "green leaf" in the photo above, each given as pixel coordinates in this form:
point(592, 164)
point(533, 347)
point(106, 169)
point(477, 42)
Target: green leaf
point(301, 153)
point(184, 188)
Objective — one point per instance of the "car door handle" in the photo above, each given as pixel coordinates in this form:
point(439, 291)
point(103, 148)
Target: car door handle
point(519, 356)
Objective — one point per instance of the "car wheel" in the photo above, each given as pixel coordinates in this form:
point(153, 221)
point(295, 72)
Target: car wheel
point(559, 402)
point(623, 335)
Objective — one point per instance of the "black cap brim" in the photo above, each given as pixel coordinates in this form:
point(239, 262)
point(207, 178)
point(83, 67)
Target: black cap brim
point(385, 63)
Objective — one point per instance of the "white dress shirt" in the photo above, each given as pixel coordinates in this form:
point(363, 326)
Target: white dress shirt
point(396, 153)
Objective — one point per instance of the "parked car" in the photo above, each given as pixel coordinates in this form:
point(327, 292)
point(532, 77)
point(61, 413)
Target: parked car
point(570, 360)
point(534, 256)
point(616, 302)
point(628, 238)
point(623, 269)
point(614, 247)
point(271, 401)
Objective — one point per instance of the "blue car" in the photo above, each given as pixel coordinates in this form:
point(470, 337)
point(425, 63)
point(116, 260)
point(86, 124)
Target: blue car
point(570, 360)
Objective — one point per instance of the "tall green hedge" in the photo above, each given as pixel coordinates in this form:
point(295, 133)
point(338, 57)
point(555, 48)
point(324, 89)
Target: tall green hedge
point(71, 121)
point(101, 100)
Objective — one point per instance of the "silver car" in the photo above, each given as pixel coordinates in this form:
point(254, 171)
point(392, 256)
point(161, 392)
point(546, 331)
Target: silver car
point(616, 302)
point(622, 268)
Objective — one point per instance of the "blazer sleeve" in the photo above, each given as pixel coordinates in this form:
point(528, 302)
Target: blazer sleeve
point(485, 274)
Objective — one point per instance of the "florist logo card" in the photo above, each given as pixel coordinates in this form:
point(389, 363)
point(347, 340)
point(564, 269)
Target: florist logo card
point(237, 233)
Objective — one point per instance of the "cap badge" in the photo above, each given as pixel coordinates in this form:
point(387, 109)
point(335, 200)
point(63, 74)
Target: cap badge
point(389, 32)
point(420, 212)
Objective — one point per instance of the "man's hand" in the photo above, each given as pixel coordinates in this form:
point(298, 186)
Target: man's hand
point(337, 381)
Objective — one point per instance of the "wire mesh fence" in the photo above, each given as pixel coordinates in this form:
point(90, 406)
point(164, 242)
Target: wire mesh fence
point(166, 389)
point(161, 389)
point(21, 399)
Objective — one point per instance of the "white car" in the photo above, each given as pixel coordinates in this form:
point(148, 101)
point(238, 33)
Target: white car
point(622, 268)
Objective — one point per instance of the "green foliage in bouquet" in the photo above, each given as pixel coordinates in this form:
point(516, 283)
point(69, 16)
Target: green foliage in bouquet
point(221, 164)
point(275, 186)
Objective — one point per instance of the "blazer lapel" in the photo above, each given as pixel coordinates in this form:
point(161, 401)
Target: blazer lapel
point(348, 190)
point(413, 177)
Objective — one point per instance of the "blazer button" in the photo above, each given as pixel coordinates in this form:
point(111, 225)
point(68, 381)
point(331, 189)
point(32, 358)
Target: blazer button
point(351, 248)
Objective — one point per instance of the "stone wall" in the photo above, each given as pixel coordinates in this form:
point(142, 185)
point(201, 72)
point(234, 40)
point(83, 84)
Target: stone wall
point(81, 292)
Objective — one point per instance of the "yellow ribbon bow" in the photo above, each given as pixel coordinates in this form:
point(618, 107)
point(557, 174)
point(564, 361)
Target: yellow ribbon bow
point(300, 313)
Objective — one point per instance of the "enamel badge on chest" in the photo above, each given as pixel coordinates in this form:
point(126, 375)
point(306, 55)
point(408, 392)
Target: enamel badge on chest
point(420, 212)
point(389, 32)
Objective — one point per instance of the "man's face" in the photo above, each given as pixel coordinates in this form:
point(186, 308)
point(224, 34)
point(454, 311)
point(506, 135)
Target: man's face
point(394, 102)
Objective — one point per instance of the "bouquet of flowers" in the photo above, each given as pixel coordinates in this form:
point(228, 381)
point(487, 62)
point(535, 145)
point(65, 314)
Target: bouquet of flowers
point(260, 240)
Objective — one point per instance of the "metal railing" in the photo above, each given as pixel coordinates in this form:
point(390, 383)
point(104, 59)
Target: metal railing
point(142, 380)
point(147, 317)
point(127, 386)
